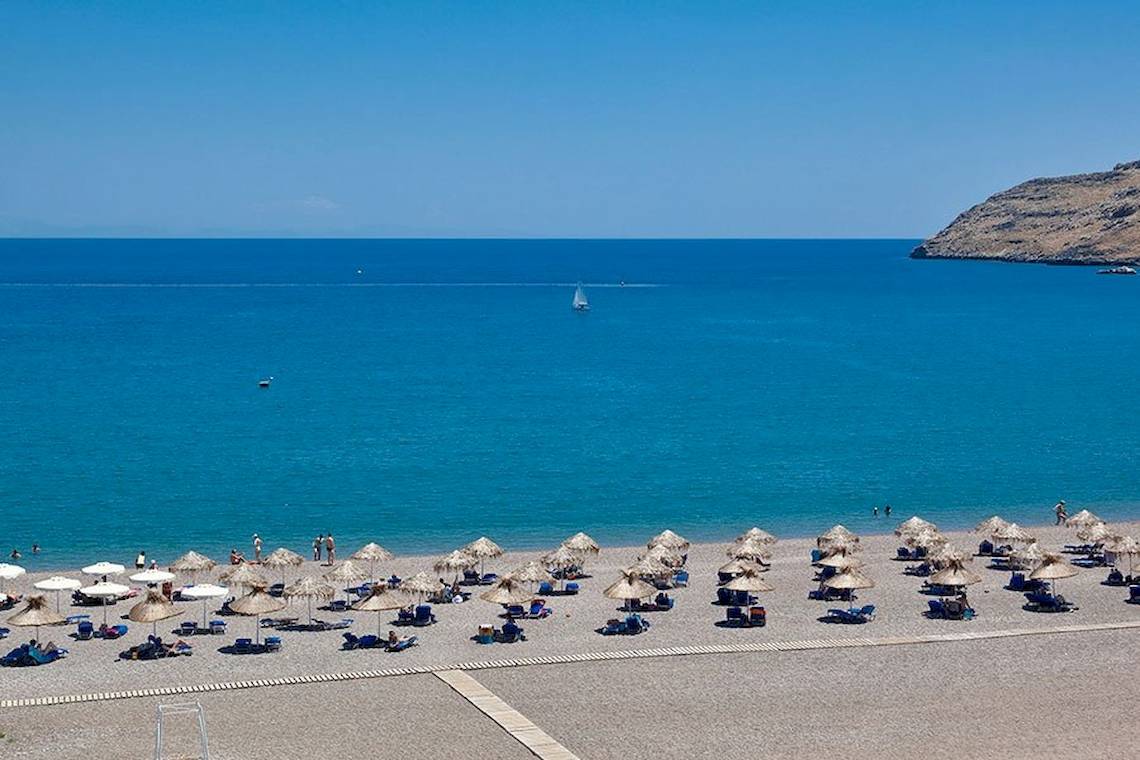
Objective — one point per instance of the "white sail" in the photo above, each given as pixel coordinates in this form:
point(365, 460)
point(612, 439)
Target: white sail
point(580, 303)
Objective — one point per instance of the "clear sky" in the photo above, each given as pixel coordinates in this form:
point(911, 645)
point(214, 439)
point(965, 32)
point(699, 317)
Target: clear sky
point(575, 119)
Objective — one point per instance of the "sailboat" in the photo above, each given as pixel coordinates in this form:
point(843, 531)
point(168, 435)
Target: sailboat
point(580, 303)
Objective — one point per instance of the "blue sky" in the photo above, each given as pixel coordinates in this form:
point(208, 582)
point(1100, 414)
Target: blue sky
point(655, 119)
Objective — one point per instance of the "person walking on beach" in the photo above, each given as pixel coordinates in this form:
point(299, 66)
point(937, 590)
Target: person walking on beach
point(256, 548)
point(1059, 510)
point(330, 549)
point(318, 542)
point(140, 561)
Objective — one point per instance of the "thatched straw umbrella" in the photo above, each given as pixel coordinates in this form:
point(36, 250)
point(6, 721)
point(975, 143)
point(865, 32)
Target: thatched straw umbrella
point(628, 588)
point(849, 581)
point(756, 534)
point(309, 588)
point(421, 583)
point(372, 553)
point(1028, 557)
point(925, 538)
point(737, 566)
point(1123, 545)
point(205, 592)
point(560, 560)
point(943, 555)
point(242, 575)
point(647, 567)
point(665, 555)
point(282, 559)
point(382, 599)
point(841, 560)
point(153, 608)
point(346, 572)
point(532, 572)
point(914, 525)
point(1094, 534)
point(836, 535)
point(57, 584)
point(1053, 567)
point(1014, 534)
point(256, 603)
point(483, 548)
point(989, 525)
point(955, 574)
point(192, 563)
point(1082, 519)
point(507, 590)
point(36, 613)
point(749, 580)
point(582, 544)
point(753, 551)
point(458, 561)
point(670, 539)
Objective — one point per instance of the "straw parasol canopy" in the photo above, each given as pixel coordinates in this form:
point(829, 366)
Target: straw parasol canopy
point(1082, 519)
point(670, 539)
point(372, 553)
point(841, 560)
point(1095, 533)
point(256, 603)
point(153, 608)
point(914, 525)
point(852, 579)
point(532, 572)
point(1031, 555)
point(837, 533)
point(738, 566)
point(628, 588)
point(988, 526)
point(647, 567)
point(192, 562)
point(458, 561)
point(1014, 533)
point(282, 559)
point(57, 584)
point(243, 575)
point(562, 558)
point(749, 579)
point(1123, 545)
point(756, 534)
point(382, 599)
point(955, 574)
point(309, 588)
point(752, 551)
point(582, 544)
point(665, 555)
point(943, 555)
point(346, 572)
point(483, 549)
point(1053, 567)
point(420, 583)
point(36, 613)
point(507, 591)
point(926, 538)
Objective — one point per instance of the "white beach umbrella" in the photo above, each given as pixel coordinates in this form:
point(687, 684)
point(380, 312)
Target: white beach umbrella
point(205, 592)
point(8, 573)
point(106, 591)
point(57, 583)
point(372, 553)
point(103, 569)
point(152, 577)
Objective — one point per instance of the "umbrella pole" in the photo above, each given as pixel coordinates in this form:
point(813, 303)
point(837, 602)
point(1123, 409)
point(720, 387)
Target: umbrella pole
point(104, 612)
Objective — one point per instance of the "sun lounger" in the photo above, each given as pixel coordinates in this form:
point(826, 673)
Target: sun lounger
point(470, 578)
point(635, 624)
point(681, 578)
point(403, 644)
point(546, 588)
point(112, 631)
point(243, 646)
point(1042, 601)
point(1115, 578)
point(539, 610)
point(337, 605)
point(757, 617)
point(4, 632)
point(816, 556)
point(272, 643)
point(1134, 594)
point(74, 619)
point(734, 616)
point(217, 626)
point(986, 548)
point(937, 608)
point(510, 634)
point(423, 615)
point(515, 610)
point(85, 630)
point(663, 602)
point(188, 628)
point(850, 616)
point(405, 617)
point(571, 589)
point(27, 655)
point(723, 596)
point(277, 589)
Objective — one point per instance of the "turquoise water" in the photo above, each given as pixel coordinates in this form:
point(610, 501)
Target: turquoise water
point(449, 391)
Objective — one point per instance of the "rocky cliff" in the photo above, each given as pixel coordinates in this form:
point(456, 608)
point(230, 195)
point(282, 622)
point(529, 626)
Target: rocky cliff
point(1082, 219)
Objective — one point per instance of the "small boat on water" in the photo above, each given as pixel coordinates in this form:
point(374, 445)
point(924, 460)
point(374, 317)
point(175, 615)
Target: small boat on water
point(264, 382)
point(580, 303)
point(1118, 270)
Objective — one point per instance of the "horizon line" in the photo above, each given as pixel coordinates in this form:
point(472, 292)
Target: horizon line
point(453, 238)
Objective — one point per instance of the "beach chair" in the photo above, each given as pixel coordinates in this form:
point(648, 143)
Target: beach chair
point(272, 643)
point(394, 581)
point(757, 617)
point(635, 624)
point(571, 589)
point(846, 616)
point(937, 608)
point(723, 596)
point(370, 641)
point(277, 589)
point(217, 626)
point(405, 616)
point(470, 577)
point(74, 619)
point(488, 579)
point(546, 588)
point(423, 615)
point(733, 616)
point(613, 627)
point(1017, 582)
point(188, 628)
point(337, 605)
point(663, 602)
point(403, 644)
point(1115, 578)
point(986, 548)
point(1134, 594)
point(868, 611)
point(4, 632)
point(243, 646)
point(539, 610)
point(112, 631)
point(511, 633)
point(350, 641)
point(681, 578)
point(515, 610)
point(816, 556)
point(903, 553)
point(85, 630)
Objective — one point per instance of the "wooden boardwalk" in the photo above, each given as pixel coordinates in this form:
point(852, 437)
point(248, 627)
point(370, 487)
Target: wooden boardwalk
point(512, 721)
point(760, 646)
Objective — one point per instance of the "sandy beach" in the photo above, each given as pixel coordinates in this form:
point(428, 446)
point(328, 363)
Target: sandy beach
point(561, 697)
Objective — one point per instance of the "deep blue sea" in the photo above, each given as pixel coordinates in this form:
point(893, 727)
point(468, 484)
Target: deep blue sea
point(447, 390)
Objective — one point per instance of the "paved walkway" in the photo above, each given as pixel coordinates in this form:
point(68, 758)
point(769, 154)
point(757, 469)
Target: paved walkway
point(755, 646)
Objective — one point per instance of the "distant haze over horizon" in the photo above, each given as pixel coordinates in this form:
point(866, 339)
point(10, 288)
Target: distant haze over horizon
point(565, 120)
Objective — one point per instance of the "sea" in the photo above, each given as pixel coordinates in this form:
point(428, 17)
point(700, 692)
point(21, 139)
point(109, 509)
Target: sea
point(426, 392)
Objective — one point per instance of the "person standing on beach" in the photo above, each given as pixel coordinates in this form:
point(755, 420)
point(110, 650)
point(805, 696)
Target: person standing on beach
point(318, 542)
point(140, 561)
point(256, 548)
point(1059, 510)
point(330, 549)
